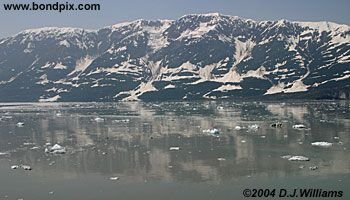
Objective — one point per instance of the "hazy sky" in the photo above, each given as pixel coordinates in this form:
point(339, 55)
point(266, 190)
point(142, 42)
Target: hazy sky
point(114, 11)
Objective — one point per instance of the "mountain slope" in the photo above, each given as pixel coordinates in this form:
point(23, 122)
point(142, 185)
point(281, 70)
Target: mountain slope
point(207, 56)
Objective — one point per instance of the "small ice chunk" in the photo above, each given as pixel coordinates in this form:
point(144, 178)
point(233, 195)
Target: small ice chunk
point(28, 144)
point(322, 144)
point(254, 127)
point(213, 131)
point(298, 158)
point(115, 178)
point(99, 119)
point(313, 168)
point(220, 108)
point(174, 148)
point(238, 128)
point(221, 159)
point(286, 156)
point(20, 124)
point(4, 153)
point(26, 167)
point(56, 149)
point(299, 126)
point(35, 148)
point(122, 120)
point(243, 141)
point(14, 167)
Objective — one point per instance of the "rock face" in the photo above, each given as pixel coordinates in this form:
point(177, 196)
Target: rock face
point(209, 56)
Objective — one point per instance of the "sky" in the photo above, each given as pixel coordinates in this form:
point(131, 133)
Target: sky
point(115, 11)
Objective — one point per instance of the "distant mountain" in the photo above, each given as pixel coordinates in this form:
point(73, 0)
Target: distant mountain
point(208, 56)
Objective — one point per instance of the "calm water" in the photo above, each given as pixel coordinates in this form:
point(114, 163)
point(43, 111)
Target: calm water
point(131, 141)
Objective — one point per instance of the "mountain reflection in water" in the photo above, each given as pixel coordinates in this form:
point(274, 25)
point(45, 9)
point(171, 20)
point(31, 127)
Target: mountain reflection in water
point(132, 140)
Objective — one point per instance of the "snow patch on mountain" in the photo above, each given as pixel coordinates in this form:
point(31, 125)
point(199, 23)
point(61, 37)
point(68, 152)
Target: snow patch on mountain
point(43, 80)
point(60, 66)
point(133, 95)
point(298, 86)
point(156, 38)
point(82, 64)
point(232, 76)
point(243, 49)
point(202, 29)
point(325, 26)
point(228, 87)
point(64, 43)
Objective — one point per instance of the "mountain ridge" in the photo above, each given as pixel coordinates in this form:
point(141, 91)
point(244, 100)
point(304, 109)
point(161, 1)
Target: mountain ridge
point(206, 56)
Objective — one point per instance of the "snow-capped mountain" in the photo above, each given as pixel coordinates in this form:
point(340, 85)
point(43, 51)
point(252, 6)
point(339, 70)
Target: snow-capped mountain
point(208, 56)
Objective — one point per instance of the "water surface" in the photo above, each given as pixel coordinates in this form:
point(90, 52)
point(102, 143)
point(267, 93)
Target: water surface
point(132, 141)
